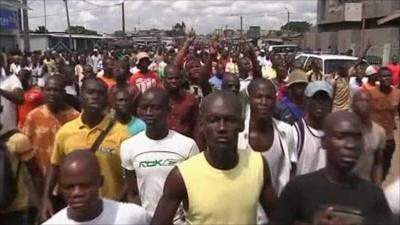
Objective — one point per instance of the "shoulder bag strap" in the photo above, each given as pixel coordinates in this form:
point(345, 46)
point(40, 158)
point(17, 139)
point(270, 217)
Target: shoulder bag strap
point(101, 137)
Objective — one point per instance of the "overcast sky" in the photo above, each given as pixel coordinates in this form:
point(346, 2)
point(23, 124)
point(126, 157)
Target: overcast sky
point(203, 15)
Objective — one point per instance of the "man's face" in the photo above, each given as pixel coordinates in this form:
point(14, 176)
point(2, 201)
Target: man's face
point(122, 103)
point(54, 92)
point(87, 71)
point(94, 97)
point(362, 104)
point(221, 123)
point(80, 189)
point(24, 77)
point(173, 79)
point(395, 60)
point(385, 78)
point(144, 64)
point(319, 105)
point(194, 71)
point(119, 73)
point(152, 110)
point(297, 89)
point(262, 101)
point(108, 67)
point(231, 84)
point(276, 60)
point(281, 73)
point(244, 66)
point(344, 143)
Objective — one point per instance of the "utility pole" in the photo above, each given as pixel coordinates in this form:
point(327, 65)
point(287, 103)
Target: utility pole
point(26, 26)
point(288, 19)
point(241, 25)
point(123, 18)
point(71, 46)
point(45, 14)
point(362, 27)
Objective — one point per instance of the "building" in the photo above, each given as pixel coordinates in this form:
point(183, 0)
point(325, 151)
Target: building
point(9, 24)
point(340, 23)
point(60, 41)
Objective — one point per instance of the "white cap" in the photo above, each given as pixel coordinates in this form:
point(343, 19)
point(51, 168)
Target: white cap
point(371, 70)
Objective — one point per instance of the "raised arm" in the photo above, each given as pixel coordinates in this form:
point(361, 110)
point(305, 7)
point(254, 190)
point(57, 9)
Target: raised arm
point(16, 96)
point(180, 57)
point(174, 193)
point(362, 56)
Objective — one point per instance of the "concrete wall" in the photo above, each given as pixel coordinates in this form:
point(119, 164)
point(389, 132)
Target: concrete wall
point(373, 9)
point(380, 8)
point(37, 43)
point(385, 41)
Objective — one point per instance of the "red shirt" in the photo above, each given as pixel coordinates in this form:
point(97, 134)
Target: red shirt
point(395, 68)
point(32, 99)
point(145, 81)
point(183, 114)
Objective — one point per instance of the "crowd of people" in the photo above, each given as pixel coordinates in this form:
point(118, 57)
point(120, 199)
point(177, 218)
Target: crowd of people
point(201, 133)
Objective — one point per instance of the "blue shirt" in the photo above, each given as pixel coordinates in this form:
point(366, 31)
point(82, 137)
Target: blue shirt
point(135, 126)
point(215, 82)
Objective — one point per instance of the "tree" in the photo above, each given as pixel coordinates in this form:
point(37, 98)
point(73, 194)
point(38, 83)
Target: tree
point(81, 30)
point(297, 26)
point(177, 30)
point(118, 33)
point(41, 29)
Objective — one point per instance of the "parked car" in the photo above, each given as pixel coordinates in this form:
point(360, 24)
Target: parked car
point(329, 63)
point(282, 49)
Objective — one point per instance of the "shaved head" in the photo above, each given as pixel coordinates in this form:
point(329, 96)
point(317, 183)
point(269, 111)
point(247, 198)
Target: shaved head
point(83, 160)
point(259, 82)
point(227, 97)
point(156, 93)
point(172, 69)
point(80, 181)
point(335, 118)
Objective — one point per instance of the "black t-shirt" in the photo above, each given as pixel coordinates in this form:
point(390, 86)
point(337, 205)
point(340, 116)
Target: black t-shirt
point(306, 195)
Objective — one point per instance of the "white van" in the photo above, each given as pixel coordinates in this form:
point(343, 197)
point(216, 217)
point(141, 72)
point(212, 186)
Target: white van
point(283, 49)
point(329, 63)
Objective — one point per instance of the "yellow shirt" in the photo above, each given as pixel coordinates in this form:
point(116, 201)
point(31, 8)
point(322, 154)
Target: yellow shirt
point(223, 197)
point(20, 150)
point(268, 73)
point(75, 135)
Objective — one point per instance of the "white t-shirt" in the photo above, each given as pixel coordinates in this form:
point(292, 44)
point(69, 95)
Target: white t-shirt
point(152, 160)
point(8, 117)
point(312, 156)
point(14, 68)
point(113, 213)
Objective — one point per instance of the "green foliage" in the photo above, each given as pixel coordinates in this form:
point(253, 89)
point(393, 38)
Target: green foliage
point(118, 33)
point(297, 26)
point(81, 30)
point(41, 30)
point(177, 30)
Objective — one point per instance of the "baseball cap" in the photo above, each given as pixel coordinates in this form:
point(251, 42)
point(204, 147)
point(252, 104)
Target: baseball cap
point(142, 55)
point(297, 76)
point(371, 70)
point(315, 86)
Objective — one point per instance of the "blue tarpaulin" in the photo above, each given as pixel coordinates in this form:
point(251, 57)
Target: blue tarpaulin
point(8, 19)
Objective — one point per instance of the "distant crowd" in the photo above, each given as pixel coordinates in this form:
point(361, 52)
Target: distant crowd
point(200, 133)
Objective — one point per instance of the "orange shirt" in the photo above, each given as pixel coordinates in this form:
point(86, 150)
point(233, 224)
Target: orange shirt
point(109, 81)
point(384, 109)
point(41, 126)
point(32, 99)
